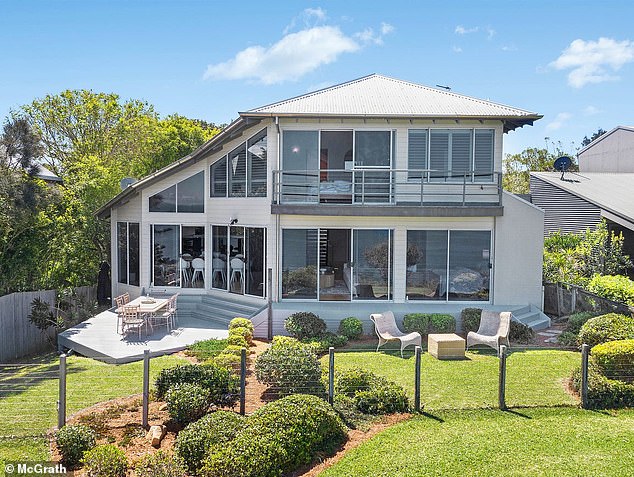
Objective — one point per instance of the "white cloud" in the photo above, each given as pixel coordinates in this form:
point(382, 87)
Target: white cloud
point(310, 17)
point(490, 32)
point(290, 58)
point(594, 61)
point(456, 49)
point(509, 48)
point(368, 36)
point(460, 30)
point(591, 110)
point(559, 121)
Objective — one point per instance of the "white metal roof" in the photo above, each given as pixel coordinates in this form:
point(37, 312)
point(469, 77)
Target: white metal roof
point(379, 96)
point(610, 191)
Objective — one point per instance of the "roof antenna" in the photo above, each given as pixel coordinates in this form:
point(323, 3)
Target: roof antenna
point(443, 87)
point(562, 164)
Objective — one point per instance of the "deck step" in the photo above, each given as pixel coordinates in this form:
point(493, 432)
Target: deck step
point(533, 318)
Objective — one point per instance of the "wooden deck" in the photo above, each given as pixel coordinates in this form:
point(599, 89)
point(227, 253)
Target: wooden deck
point(97, 338)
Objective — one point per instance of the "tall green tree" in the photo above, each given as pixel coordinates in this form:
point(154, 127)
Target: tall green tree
point(587, 140)
point(93, 140)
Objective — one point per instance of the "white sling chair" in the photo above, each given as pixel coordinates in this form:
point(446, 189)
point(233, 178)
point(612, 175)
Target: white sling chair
point(493, 330)
point(386, 330)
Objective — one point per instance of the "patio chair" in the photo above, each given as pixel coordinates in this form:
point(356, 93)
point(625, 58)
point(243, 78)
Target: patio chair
point(386, 330)
point(167, 315)
point(198, 265)
point(132, 319)
point(493, 331)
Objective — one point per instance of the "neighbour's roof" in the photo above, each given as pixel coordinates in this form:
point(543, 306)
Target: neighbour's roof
point(610, 191)
point(605, 136)
point(380, 96)
point(46, 175)
point(371, 96)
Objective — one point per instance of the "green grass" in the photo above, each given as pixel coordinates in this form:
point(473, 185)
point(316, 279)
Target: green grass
point(537, 442)
point(534, 377)
point(29, 395)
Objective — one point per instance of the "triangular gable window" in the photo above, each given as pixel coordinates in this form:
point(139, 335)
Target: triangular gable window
point(187, 196)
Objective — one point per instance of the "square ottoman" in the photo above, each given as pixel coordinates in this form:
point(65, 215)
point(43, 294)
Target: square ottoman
point(446, 346)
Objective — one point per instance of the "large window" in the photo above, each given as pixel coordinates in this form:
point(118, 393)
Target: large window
point(448, 265)
point(166, 269)
point(185, 196)
point(242, 172)
point(128, 253)
point(337, 264)
point(451, 154)
point(238, 259)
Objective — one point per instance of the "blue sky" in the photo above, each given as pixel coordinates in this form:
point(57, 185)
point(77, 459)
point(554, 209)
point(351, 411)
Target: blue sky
point(573, 62)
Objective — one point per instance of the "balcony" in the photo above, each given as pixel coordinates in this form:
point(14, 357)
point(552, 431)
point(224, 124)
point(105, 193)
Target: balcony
point(391, 192)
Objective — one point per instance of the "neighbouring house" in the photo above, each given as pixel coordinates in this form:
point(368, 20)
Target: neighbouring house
point(370, 195)
point(611, 152)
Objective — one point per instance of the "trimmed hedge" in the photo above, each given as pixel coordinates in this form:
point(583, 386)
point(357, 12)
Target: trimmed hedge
point(470, 319)
point(290, 367)
point(604, 393)
point(239, 322)
point(615, 359)
point(351, 327)
point(304, 324)
point(187, 402)
point(159, 464)
point(221, 383)
point(575, 321)
point(604, 328)
point(278, 438)
point(370, 393)
point(426, 323)
point(614, 287)
point(237, 340)
point(72, 441)
point(211, 431)
point(242, 332)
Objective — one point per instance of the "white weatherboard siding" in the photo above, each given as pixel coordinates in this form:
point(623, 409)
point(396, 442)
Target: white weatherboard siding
point(612, 152)
point(519, 247)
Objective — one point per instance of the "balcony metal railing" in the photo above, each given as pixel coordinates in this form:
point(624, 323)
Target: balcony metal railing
point(378, 186)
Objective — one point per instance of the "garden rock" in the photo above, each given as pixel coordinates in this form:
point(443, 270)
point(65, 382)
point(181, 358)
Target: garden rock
point(155, 435)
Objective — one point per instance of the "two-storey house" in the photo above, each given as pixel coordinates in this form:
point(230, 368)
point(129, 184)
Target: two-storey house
point(370, 195)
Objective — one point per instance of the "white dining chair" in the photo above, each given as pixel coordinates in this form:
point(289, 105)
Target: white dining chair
point(185, 273)
point(218, 272)
point(198, 264)
point(237, 273)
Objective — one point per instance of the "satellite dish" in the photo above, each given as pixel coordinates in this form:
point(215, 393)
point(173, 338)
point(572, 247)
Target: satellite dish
point(563, 163)
point(126, 181)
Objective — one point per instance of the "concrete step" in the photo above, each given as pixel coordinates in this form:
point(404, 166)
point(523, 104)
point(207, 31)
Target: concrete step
point(534, 319)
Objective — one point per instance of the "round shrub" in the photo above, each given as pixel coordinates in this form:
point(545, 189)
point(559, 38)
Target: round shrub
point(234, 350)
point(280, 341)
point(221, 383)
point(229, 361)
point(290, 369)
point(237, 340)
point(441, 323)
point(105, 461)
point(577, 320)
point(349, 381)
point(384, 398)
point(241, 323)
point(615, 359)
point(278, 438)
point(470, 319)
point(614, 287)
point(304, 324)
point(603, 392)
point(160, 464)
point(194, 442)
point(520, 333)
point(604, 328)
point(73, 441)
point(351, 327)
point(243, 332)
point(187, 402)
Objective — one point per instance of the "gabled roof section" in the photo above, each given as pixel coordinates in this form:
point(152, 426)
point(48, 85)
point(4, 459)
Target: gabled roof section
point(383, 97)
point(605, 136)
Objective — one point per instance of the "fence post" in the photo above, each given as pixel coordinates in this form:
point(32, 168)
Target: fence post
point(331, 374)
point(243, 380)
point(502, 380)
point(269, 308)
point(585, 352)
point(146, 387)
point(417, 353)
point(61, 403)
point(573, 299)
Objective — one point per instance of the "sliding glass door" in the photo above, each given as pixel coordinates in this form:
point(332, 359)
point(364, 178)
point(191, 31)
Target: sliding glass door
point(166, 255)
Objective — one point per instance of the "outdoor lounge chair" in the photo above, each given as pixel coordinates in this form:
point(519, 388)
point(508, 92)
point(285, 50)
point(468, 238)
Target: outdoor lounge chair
point(386, 330)
point(493, 331)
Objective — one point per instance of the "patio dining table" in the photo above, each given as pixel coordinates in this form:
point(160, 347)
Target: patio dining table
point(147, 305)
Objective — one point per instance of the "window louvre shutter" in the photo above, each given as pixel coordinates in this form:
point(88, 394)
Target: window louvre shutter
point(460, 153)
point(439, 153)
point(484, 154)
point(219, 178)
point(417, 152)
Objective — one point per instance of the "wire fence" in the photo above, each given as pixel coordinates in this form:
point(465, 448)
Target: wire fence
point(563, 299)
point(37, 397)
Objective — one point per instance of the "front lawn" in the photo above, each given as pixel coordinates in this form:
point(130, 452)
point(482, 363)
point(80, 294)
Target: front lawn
point(28, 397)
point(536, 442)
point(534, 377)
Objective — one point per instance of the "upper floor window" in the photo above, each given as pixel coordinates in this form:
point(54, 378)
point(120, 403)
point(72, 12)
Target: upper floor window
point(185, 196)
point(242, 172)
point(451, 154)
